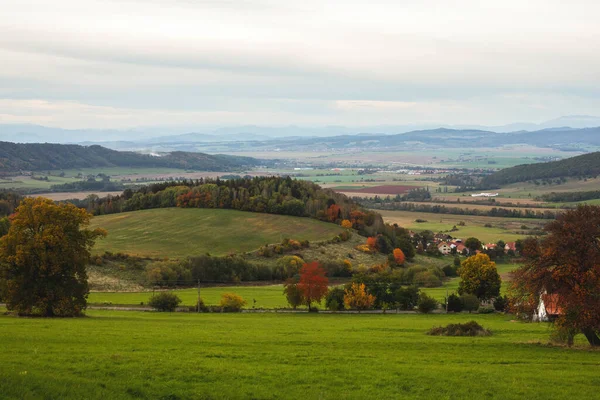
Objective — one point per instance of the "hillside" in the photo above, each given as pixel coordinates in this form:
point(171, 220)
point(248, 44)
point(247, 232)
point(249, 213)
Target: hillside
point(580, 166)
point(49, 156)
point(176, 232)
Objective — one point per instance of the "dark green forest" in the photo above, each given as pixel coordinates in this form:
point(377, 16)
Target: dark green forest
point(586, 165)
point(48, 156)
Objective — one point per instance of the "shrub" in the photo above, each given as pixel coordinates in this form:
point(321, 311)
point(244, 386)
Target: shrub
point(467, 329)
point(426, 304)
point(164, 301)
point(427, 279)
point(231, 302)
point(292, 294)
point(486, 310)
point(470, 302)
point(454, 303)
point(334, 301)
point(501, 303)
point(407, 297)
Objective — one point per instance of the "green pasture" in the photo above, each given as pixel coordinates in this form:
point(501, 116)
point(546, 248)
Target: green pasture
point(117, 171)
point(178, 232)
point(27, 183)
point(134, 355)
point(501, 228)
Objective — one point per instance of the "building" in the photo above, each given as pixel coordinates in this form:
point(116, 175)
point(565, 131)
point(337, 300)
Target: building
point(548, 308)
point(444, 248)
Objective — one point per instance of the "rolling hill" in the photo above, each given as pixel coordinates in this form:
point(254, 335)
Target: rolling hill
point(580, 166)
point(177, 232)
point(48, 156)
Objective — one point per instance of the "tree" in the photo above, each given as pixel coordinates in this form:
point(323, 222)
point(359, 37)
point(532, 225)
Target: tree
point(479, 276)
point(566, 263)
point(406, 298)
point(334, 301)
point(313, 283)
point(357, 298)
point(43, 258)
point(473, 244)
point(372, 242)
point(399, 256)
point(231, 302)
point(469, 302)
point(426, 303)
point(346, 224)
point(292, 293)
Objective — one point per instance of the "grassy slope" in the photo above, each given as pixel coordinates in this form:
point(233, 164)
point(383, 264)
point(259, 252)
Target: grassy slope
point(176, 232)
point(126, 355)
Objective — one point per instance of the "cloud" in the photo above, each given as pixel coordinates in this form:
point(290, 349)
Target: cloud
point(303, 61)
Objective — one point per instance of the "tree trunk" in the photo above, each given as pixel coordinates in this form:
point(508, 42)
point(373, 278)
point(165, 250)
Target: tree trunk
point(591, 336)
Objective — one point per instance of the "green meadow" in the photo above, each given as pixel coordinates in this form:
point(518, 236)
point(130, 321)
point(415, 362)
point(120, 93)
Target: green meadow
point(145, 355)
point(178, 232)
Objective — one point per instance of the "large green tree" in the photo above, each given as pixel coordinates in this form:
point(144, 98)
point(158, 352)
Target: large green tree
point(479, 277)
point(43, 258)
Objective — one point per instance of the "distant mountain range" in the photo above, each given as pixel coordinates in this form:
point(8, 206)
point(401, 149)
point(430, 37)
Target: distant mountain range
point(42, 157)
point(143, 137)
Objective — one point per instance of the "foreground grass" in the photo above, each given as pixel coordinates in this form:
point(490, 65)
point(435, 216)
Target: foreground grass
point(114, 355)
point(178, 232)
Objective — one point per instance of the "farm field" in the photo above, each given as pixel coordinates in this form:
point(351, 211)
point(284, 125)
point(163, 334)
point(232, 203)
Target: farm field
point(502, 228)
point(178, 232)
point(124, 355)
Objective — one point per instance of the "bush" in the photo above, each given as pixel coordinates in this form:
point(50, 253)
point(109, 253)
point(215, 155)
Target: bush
point(454, 303)
point(426, 304)
point(486, 310)
point(501, 303)
point(334, 301)
point(427, 279)
point(467, 329)
point(231, 302)
point(292, 294)
point(407, 297)
point(449, 270)
point(164, 301)
point(470, 302)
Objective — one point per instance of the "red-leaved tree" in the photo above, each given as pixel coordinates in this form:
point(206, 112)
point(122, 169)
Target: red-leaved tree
point(399, 257)
point(313, 283)
point(566, 264)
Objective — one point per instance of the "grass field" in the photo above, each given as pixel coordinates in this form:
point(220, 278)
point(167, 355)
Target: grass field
point(178, 232)
point(501, 228)
point(127, 355)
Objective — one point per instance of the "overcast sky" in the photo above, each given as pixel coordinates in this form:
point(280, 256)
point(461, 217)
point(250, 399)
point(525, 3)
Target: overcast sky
point(130, 63)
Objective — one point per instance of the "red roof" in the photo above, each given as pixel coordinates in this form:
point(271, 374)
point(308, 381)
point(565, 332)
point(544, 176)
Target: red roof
point(551, 304)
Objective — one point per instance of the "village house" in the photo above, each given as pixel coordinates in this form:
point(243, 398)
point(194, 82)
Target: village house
point(510, 246)
point(444, 248)
point(548, 308)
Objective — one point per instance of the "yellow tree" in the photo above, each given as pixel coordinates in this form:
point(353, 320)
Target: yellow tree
point(346, 224)
point(357, 298)
point(479, 276)
point(43, 258)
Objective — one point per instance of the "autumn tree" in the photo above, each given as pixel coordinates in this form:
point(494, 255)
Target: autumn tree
point(566, 263)
point(346, 224)
point(372, 242)
point(43, 258)
point(479, 276)
point(333, 212)
point(313, 283)
point(357, 298)
point(399, 256)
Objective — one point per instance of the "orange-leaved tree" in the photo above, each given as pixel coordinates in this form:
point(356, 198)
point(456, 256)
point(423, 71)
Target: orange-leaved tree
point(43, 258)
point(313, 283)
point(372, 242)
point(357, 298)
point(565, 264)
point(333, 212)
point(399, 257)
point(346, 224)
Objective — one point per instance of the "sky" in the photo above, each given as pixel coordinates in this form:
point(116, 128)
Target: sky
point(129, 63)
